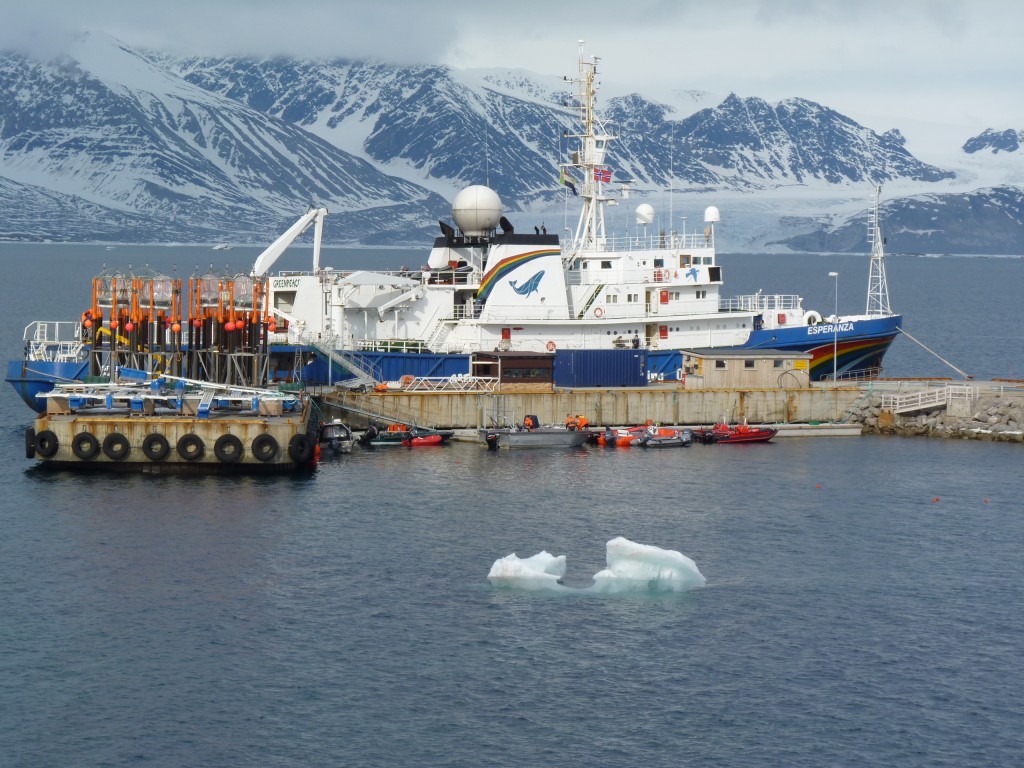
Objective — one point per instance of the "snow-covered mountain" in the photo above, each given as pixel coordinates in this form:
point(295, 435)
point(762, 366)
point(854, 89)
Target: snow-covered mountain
point(117, 144)
point(133, 152)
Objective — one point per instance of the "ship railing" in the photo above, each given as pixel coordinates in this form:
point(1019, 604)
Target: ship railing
point(510, 313)
point(861, 374)
point(53, 341)
point(760, 302)
point(464, 312)
point(390, 345)
point(688, 241)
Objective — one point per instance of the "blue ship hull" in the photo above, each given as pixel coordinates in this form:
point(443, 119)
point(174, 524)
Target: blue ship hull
point(31, 378)
point(851, 348)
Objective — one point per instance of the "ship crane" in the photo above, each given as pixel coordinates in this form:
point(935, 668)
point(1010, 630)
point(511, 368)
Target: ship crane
point(266, 259)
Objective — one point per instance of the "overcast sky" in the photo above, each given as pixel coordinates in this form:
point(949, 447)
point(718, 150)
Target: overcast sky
point(885, 63)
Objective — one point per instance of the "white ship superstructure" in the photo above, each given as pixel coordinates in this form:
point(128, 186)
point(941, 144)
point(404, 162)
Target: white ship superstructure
point(488, 286)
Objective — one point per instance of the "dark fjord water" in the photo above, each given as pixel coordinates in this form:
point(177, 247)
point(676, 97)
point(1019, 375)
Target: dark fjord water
point(864, 604)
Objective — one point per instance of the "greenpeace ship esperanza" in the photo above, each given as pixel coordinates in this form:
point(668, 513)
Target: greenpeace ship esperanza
point(487, 287)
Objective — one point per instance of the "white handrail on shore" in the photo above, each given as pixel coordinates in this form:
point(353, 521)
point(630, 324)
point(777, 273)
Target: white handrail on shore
point(930, 398)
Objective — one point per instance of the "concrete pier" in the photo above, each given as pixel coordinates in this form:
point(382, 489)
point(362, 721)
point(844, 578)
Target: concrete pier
point(847, 407)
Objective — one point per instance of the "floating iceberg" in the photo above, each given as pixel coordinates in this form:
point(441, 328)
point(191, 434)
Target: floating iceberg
point(542, 571)
point(632, 568)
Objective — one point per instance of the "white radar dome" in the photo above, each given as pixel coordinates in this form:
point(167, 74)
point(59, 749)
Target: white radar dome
point(644, 214)
point(476, 210)
point(711, 214)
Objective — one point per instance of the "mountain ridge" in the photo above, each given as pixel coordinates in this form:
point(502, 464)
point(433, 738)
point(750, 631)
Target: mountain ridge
point(241, 146)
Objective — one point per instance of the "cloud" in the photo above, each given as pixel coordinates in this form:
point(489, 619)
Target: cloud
point(873, 56)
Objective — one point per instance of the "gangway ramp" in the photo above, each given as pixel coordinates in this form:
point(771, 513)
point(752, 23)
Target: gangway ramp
point(924, 400)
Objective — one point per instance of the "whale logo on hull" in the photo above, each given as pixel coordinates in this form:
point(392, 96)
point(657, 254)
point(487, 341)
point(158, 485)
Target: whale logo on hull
point(530, 286)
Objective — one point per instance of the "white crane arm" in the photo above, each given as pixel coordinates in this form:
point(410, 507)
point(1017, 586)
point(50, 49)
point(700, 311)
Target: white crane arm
point(266, 259)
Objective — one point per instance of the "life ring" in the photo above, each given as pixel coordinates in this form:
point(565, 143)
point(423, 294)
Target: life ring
point(228, 449)
point(550, 346)
point(30, 443)
point(812, 318)
point(264, 447)
point(116, 446)
point(191, 447)
point(300, 448)
point(47, 443)
point(156, 447)
point(598, 312)
point(85, 446)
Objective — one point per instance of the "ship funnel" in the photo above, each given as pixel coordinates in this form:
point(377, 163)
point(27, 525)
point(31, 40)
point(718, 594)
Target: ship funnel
point(644, 214)
point(476, 210)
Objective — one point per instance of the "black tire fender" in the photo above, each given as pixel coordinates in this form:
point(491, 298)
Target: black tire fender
point(264, 447)
point(228, 449)
point(156, 447)
point(191, 447)
point(47, 444)
point(300, 448)
point(85, 446)
point(30, 443)
point(116, 446)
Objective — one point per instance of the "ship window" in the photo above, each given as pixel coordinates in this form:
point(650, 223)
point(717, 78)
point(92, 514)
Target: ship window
point(606, 265)
point(777, 363)
point(715, 274)
point(284, 300)
point(611, 298)
point(702, 294)
point(749, 364)
point(720, 364)
point(658, 263)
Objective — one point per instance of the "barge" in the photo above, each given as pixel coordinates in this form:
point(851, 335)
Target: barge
point(172, 425)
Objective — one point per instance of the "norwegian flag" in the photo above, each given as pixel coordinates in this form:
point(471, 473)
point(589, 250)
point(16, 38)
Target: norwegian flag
point(603, 174)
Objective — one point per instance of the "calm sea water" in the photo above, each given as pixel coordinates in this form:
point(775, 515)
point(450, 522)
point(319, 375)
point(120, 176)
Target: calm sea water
point(864, 604)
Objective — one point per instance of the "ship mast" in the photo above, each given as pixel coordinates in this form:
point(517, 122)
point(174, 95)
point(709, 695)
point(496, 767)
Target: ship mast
point(589, 158)
point(878, 289)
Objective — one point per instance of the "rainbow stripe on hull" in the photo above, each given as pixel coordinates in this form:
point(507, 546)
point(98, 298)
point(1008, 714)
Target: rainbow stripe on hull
point(859, 345)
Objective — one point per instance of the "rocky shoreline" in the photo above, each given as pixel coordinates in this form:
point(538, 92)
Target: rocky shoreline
point(997, 418)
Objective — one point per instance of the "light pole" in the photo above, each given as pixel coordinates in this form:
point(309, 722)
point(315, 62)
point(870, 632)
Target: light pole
point(835, 330)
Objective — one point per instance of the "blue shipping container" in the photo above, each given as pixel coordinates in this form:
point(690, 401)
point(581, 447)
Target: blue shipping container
point(664, 365)
point(600, 368)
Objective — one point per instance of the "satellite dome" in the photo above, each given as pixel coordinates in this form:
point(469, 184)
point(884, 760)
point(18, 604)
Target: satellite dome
point(476, 210)
point(711, 214)
point(644, 214)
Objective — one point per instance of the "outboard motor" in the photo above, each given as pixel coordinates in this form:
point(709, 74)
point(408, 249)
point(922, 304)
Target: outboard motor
point(492, 441)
